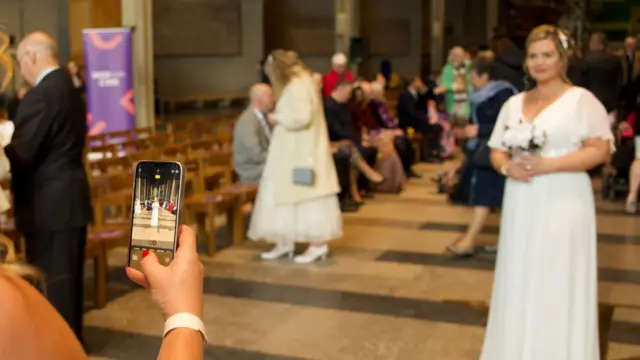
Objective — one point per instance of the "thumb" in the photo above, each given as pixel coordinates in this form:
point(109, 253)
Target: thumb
point(151, 268)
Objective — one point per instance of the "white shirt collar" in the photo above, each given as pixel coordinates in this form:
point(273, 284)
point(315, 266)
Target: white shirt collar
point(45, 73)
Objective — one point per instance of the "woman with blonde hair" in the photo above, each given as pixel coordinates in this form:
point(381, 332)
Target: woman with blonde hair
point(297, 199)
point(544, 303)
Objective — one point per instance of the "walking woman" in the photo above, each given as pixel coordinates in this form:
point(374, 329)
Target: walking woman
point(486, 185)
point(297, 200)
point(544, 302)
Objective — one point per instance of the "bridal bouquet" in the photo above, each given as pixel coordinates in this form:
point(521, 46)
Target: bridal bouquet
point(523, 138)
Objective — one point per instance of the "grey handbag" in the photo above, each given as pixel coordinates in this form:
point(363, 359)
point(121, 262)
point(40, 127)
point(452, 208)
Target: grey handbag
point(304, 176)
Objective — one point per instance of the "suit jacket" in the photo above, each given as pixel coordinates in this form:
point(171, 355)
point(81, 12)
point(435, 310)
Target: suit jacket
point(339, 122)
point(250, 147)
point(409, 111)
point(630, 67)
point(49, 182)
point(301, 140)
point(604, 78)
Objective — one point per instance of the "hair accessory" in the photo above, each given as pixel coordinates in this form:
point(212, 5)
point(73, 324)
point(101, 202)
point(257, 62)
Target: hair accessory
point(270, 58)
point(564, 39)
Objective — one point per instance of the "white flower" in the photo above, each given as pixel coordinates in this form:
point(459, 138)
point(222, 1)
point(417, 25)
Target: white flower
point(518, 136)
point(539, 136)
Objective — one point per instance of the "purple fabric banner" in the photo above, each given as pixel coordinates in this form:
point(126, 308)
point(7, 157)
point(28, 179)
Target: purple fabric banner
point(109, 80)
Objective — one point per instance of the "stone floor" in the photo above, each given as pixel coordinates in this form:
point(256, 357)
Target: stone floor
point(383, 294)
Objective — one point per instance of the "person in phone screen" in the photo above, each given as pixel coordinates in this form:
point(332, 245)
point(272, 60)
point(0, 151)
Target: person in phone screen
point(138, 208)
point(155, 210)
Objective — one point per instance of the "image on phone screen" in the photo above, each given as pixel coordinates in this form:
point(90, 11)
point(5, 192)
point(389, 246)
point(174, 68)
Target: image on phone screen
point(155, 212)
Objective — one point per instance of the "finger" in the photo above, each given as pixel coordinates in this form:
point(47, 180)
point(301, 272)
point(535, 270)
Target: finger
point(186, 240)
point(151, 268)
point(137, 277)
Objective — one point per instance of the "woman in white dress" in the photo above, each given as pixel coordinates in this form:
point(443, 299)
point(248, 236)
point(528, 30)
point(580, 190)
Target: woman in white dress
point(297, 199)
point(137, 208)
point(544, 302)
point(155, 212)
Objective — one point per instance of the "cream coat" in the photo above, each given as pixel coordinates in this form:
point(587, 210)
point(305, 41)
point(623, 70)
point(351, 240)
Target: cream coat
point(300, 139)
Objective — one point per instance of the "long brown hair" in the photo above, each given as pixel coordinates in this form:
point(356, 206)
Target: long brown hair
point(281, 66)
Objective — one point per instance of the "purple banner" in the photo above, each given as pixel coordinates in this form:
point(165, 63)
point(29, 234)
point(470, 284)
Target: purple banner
point(109, 80)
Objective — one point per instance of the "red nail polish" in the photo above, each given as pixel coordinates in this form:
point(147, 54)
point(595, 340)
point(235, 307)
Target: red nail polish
point(145, 253)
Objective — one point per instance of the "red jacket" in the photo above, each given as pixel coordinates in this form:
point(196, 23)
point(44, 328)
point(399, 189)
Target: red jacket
point(331, 79)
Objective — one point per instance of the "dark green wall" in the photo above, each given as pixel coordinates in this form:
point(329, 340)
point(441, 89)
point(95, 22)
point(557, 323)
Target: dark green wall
point(614, 18)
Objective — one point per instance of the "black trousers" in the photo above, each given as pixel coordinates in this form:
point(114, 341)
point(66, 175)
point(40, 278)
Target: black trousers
point(343, 168)
point(432, 134)
point(60, 257)
point(404, 148)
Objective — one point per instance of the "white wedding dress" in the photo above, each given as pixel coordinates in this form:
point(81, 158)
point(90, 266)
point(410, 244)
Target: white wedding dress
point(155, 212)
point(544, 302)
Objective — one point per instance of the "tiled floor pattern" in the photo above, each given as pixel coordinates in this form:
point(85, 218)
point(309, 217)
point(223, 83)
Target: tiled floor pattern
point(387, 292)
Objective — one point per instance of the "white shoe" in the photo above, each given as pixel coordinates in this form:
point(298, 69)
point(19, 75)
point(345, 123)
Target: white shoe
point(631, 206)
point(313, 253)
point(277, 252)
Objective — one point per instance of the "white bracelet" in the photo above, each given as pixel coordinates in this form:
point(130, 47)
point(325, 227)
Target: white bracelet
point(185, 320)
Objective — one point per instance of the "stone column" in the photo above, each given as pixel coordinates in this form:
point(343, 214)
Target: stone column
point(347, 20)
point(138, 14)
point(437, 34)
point(493, 12)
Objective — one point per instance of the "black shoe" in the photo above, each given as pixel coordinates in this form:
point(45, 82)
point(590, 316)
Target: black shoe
point(413, 175)
point(349, 206)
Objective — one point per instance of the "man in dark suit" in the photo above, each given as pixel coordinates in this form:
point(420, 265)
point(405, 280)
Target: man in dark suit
point(411, 111)
point(603, 73)
point(51, 193)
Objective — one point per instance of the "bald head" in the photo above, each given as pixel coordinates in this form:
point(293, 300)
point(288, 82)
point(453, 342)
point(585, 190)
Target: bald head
point(261, 97)
point(630, 44)
point(37, 53)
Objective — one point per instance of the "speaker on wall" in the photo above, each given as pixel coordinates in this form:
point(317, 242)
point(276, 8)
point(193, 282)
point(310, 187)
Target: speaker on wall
point(358, 49)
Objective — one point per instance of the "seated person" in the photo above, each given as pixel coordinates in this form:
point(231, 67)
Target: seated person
point(339, 63)
point(342, 131)
point(252, 134)
point(382, 115)
point(387, 162)
point(411, 115)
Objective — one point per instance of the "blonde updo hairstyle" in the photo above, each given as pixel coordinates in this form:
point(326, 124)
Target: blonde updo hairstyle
point(562, 42)
point(282, 66)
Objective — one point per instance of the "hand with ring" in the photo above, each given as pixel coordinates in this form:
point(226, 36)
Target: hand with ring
point(536, 165)
point(517, 171)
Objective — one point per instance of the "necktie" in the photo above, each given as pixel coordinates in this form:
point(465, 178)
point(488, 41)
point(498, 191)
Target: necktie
point(265, 126)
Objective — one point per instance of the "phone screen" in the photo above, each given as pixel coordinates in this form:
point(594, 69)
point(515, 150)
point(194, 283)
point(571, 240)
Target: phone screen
point(157, 199)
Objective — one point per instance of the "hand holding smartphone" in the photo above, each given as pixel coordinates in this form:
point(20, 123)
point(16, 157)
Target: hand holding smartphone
point(158, 191)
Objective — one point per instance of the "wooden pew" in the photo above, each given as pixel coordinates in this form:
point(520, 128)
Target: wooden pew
point(211, 205)
point(201, 101)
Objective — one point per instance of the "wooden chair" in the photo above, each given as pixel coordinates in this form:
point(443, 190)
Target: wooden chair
point(245, 194)
point(149, 154)
point(133, 146)
point(179, 138)
point(211, 205)
point(159, 141)
point(179, 126)
point(142, 133)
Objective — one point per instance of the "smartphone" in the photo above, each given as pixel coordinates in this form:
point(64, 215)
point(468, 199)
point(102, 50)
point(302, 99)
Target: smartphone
point(158, 191)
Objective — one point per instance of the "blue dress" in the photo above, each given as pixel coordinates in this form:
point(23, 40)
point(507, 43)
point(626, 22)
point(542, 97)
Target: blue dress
point(486, 185)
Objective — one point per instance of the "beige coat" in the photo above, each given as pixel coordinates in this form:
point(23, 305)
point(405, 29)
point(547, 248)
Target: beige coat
point(300, 139)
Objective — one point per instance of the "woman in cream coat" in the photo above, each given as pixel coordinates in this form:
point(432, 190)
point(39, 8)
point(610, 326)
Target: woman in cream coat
point(287, 211)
